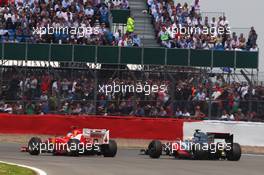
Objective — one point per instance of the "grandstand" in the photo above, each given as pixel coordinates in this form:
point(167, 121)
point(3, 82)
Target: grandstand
point(208, 76)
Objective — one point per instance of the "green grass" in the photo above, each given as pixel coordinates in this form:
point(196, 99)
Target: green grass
point(6, 169)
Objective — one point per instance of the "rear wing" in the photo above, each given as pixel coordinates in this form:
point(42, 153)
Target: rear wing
point(226, 136)
point(99, 135)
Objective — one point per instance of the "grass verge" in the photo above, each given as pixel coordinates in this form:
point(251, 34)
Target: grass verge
point(6, 169)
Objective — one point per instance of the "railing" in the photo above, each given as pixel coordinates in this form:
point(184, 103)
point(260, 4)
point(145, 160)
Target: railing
point(239, 30)
point(210, 15)
point(128, 55)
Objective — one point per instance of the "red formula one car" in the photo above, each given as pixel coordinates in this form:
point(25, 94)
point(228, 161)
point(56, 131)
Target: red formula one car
point(77, 142)
point(203, 146)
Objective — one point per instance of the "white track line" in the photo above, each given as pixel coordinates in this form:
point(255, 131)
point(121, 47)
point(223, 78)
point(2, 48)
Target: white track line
point(254, 155)
point(38, 171)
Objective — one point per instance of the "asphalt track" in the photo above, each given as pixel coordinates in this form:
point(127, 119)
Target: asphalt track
point(129, 162)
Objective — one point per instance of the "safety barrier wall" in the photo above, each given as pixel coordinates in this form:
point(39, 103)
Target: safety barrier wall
point(128, 55)
point(245, 133)
point(120, 127)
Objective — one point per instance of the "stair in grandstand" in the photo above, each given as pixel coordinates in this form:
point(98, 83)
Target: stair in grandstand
point(143, 26)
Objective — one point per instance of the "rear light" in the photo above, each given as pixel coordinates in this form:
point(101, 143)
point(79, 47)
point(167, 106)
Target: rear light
point(53, 140)
point(105, 140)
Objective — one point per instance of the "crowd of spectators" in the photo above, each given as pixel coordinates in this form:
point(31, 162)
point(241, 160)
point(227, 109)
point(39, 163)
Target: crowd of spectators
point(188, 97)
point(20, 18)
point(60, 21)
point(183, 26)
point(117, 4)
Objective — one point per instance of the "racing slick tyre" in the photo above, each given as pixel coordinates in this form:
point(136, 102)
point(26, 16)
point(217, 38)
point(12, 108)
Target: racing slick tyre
point(199, 153)
point(235, 153)
point(155, 149)
point(110, 149)
point(34, 145)
point(73, 147)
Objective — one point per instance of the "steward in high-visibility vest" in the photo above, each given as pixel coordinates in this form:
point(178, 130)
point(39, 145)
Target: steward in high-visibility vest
point(130, 25)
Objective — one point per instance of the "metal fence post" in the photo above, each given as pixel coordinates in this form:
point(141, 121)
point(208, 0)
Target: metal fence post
point(142, 61)
point(166, 56)
point(235, 60)
point(210, 87)
point(25, 56)
point(2, 66)
point(95, 79)
point(189, 57)
point(49, 58)
point(119, 61)
point(73, 54)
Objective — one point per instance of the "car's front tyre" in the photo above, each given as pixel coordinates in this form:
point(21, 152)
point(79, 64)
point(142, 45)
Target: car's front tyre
point(34, 146)
point(155, 149)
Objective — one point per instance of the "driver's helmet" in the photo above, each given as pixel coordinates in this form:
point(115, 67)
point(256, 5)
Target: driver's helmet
point(197, 133)
point(199, 136)
point(69, 135)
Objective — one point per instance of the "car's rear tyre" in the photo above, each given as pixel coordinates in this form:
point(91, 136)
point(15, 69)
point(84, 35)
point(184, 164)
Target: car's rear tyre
point(34, 145)
point(155, 149)
point(235, 153)
point(110, 149)
point(73, 147)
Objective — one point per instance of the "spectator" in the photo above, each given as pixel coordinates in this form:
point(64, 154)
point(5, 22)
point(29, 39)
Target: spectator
point(252, 38)
point(139, 111)
point(198, 113)
point(224, 116)
point(186, 114)
point(240, 116)
point(124, 4)
point(178, 113)
point(164, 37)
point(136, 41)
point(162, 112)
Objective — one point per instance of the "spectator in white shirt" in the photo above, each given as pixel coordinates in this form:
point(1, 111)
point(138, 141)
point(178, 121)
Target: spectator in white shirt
point(223, 22)
point(214, 23)
point(186, 114)
point(89, 11)
point(178, 113)
point(66, 3)
point(224, 116)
